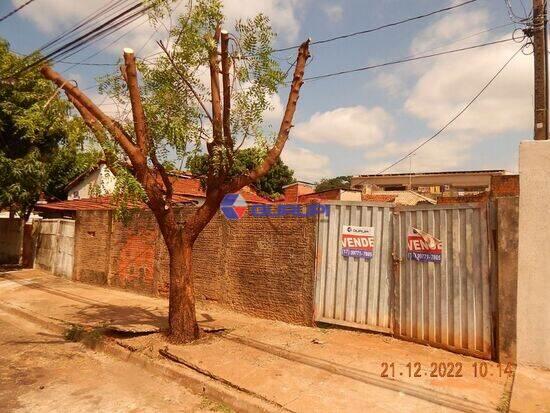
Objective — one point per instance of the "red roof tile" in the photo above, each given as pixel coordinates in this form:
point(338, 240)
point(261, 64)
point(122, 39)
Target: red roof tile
point(97, 203)
point(184, 189)
point(378, 198)
point(191, 186)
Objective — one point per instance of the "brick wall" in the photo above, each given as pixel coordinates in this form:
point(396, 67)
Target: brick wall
point(504, 185)
point(92, 246)
point(260, 266)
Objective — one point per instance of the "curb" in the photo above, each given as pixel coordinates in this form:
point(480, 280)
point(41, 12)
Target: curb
point(201, 384)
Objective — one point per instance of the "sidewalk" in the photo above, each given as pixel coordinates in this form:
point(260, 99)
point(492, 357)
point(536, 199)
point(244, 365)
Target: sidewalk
point(298, 368)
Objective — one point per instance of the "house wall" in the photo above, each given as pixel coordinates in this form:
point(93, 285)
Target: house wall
point(295, 190)
point(533, 299)
point(261, 266)
point(101, 178)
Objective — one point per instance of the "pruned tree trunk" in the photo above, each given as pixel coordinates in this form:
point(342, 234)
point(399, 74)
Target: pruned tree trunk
point(181, 314)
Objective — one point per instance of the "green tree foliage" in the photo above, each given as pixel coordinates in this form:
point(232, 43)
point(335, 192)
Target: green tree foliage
point(339, 182)
point(38, 146)
point(246, 159)
point(177, 98)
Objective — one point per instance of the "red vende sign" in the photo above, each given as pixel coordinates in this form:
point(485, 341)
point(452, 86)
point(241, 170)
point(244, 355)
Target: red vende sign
point(423, 247)
point(358, 242)
point(417, 244)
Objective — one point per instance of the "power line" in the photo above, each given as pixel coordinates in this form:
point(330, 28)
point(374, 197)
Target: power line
point(409, 19)
point(110, 26)
point(15, 10)
point(464, 109)
point(404, 60)
point(86, 21)
point(83, 62)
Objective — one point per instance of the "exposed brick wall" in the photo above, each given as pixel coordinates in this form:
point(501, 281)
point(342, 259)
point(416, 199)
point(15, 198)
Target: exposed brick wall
point(260, 266)
point(330, 195)
point(293, 191)
point(92, 245)
point(481, 197)
point(504, 185)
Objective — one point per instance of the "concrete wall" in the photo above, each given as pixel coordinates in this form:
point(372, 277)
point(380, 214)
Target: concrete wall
point(533, 312)
point(507, 217)
point(11, 240)
point(54, 246)
point(260, 266)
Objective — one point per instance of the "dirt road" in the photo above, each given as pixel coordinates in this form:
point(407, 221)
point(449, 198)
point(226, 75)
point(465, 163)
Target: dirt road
point(41, 372)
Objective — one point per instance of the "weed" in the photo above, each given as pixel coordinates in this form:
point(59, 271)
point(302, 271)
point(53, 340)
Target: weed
point(90, 337)
point(214, 406)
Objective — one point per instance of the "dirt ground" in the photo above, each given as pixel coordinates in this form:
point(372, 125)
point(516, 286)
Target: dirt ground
point(302, 369)
point(42, 372)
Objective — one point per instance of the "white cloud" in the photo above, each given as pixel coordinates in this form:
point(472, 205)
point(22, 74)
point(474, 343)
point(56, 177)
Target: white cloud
point(275, 115)
point(334, 12)
point(282, 14)
point(307, 165)
point(452, 26)
point(54, 16)
point(391, 83)
point(450, 83)
point(349, 126)
point(441, 87)
point(447, 153)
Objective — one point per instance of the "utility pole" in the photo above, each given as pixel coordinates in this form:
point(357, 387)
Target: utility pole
point(541, 69)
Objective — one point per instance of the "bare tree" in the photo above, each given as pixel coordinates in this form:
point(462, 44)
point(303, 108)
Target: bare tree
point(141, 150)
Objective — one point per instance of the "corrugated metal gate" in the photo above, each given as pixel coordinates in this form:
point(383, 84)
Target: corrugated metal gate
point(443, 304)
point(352, 291)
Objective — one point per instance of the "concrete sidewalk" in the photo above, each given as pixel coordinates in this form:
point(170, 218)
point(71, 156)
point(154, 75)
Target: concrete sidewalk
point(297, 368)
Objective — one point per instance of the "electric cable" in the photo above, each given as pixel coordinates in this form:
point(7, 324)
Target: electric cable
point(396, 23)
point(11, 13)
point(464, 109)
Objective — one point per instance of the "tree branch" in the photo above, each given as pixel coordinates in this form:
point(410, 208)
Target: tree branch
point(98, 131)
point(163, 175)
point(217, 128)
point(284, 130)
point(184, 79)
point(138, 159)
point(110, 124)
point(138, 114)
point(226, 82)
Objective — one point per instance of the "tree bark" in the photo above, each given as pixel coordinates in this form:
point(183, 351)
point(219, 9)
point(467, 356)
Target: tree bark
point(181, 312)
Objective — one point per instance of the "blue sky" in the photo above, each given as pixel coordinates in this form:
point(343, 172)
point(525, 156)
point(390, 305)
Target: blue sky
point(362, 122)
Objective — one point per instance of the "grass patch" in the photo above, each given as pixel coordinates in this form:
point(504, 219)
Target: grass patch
point(214, 406)
point(90, 337)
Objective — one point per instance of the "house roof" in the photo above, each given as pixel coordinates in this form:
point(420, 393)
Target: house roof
point(97, 203)
point(479, 172)
point(407, 197)
point(186, 189)
point(378, 198)
point(84, 174)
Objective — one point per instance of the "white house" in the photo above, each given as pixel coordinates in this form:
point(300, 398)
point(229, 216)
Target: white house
point(97, 181)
